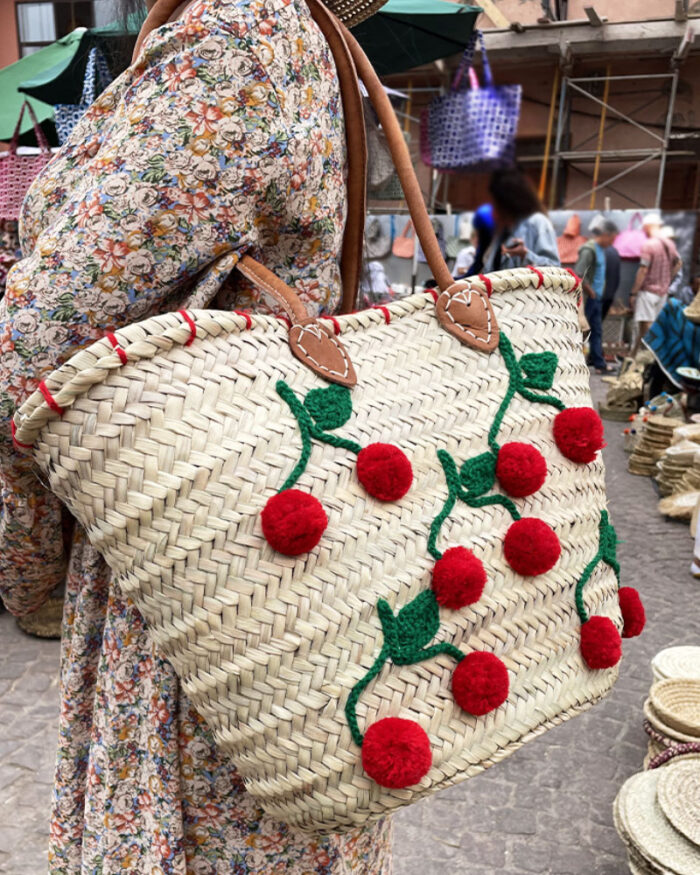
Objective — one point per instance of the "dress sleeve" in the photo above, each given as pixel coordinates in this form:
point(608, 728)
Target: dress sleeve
point(184, 173)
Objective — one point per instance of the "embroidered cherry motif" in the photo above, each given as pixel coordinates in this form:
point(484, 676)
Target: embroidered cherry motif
point(293, 522)
point(531, 547)
point(384, 471)
point(578, 432)
point(396, 752)
point(458, 578)
point(521, 469)
point(480, 683)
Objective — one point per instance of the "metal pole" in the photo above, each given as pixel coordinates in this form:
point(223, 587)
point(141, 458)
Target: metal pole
point(601, 131)
point(548, 141)
point(667, 135)
point(557, 144)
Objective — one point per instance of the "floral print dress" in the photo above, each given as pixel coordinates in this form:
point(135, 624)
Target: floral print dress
point(226, 135)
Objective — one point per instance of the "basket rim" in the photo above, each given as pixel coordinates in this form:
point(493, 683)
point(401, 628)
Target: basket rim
point(143, 340)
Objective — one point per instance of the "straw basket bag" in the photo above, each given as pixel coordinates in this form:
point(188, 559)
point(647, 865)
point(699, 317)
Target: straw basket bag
point(379, 560)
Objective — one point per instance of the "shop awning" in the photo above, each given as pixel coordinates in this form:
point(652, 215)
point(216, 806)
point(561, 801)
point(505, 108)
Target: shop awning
point(408, 33)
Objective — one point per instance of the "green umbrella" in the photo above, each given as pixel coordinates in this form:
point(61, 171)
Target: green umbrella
point(56, 58)
point(408, 33)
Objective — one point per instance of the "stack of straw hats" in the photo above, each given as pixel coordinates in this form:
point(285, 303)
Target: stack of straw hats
point(657, 812)
point(657, 437)
point(673, 464)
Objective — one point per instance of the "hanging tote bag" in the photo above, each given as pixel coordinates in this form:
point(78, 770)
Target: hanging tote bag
point(17, 172)
point(404, 245)
point(379, 560)
point(67, 115)
point(630, 241)
point(471, 128)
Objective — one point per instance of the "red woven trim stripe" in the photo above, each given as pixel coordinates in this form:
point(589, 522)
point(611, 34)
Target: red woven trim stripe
point(487, 282)
point(336, 324)
point(434, 294)
point(17, 443)
point(286, 320)
point(246, 316)
point(574, 275)
point(385, 311)
point(540, 275)
point(190, 321)
point(115, 343)
point(48, 397)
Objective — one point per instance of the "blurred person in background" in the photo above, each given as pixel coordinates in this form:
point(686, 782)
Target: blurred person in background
point(591, 267)
point(658, 265)
point(483, 227)
point(524, 234)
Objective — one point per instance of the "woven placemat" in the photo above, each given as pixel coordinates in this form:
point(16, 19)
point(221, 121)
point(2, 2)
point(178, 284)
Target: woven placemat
point(677, 662)
point(644, 828)
point(679, 797)
point(660, 725)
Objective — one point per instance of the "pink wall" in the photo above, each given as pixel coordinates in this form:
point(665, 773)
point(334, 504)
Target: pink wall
point(8, 33)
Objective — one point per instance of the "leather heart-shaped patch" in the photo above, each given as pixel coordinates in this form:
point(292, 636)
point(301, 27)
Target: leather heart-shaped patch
point(316, 347)
point(466, 312)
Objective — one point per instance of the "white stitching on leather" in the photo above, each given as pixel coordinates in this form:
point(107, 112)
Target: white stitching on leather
point(315, 329)
point(460, 295)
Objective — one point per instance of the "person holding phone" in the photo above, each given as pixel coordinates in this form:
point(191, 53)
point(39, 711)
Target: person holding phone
point(524, 235)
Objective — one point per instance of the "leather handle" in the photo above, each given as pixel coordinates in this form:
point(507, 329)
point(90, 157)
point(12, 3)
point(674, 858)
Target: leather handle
point(402, 162)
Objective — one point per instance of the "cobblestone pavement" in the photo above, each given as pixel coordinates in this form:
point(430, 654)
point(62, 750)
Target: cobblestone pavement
point(545, 810)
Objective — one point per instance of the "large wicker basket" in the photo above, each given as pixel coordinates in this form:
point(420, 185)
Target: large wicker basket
point(168, 461)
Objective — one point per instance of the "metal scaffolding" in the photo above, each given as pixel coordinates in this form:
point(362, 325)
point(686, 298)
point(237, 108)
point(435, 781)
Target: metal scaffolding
point(659, 152)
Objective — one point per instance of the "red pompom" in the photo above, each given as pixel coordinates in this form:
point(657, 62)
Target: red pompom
point(601, 644)
point(521, 469)
point(633, 613)
point(384, 471)
point(293, 522)
point(458, 578)
point(578, 433)
point(531, 547)
point(480, 683)
point(396, 752)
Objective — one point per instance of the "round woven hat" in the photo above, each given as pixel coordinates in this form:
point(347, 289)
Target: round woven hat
point(644, 828)
point(352, 12)
point(679, 797)
point(677, 662)
point(677, 702)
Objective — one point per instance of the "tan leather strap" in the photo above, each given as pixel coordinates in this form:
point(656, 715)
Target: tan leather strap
point(351, 256)
point(402, 162)
point(356, 139)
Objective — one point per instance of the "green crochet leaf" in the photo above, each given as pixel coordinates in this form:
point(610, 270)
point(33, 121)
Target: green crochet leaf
point(539, 369)
point(329, 408)
point(478, 474)
point(417, 622)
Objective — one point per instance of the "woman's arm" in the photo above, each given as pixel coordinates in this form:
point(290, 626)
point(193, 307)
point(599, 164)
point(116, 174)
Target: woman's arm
point(540, 242)
point(179, 180)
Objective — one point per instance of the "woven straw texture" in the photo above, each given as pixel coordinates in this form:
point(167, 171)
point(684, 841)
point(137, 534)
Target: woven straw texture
point(677, 662)
point(677, 703)
point(653, 843)
point(168, 461)
point(679, 798)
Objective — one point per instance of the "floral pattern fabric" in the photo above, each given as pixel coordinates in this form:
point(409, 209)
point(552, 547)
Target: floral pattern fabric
point(225, 136)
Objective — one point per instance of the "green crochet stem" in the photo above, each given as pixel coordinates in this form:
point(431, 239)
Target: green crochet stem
point(456, 491)
point(405, 639)
point(309, 430)
point(541, 375)
point(607, 553)
point(516, 386)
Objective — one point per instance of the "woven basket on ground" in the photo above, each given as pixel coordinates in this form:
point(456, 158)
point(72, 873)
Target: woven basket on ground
point(677, 662)
point(169, 459)
point(676, 701)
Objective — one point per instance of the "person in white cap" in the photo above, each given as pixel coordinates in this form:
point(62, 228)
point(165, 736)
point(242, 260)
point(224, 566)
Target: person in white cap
point(658, 264)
